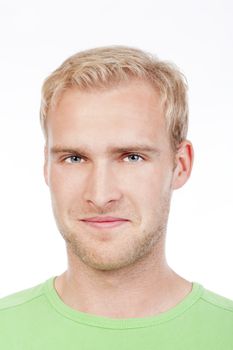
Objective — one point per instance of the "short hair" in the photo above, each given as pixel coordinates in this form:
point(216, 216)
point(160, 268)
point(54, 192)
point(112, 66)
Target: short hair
point(105, 67)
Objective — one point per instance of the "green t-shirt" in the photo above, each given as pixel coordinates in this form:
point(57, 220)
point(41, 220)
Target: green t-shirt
point(37, 319)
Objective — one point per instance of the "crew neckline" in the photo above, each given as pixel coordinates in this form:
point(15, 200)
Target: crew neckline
point(125, 323)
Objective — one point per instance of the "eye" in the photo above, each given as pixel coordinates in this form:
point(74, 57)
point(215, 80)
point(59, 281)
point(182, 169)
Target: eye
point(73, 159)
point(134, 157)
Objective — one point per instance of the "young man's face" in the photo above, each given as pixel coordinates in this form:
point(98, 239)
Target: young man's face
point(90, 175)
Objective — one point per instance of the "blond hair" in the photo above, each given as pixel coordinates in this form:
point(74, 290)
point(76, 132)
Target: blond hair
point(104, 67)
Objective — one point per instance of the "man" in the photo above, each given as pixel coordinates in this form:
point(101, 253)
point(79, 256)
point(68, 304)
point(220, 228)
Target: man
point(115, 125)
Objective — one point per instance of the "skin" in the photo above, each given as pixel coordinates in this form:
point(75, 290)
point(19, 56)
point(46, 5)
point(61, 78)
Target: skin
point(106, 266)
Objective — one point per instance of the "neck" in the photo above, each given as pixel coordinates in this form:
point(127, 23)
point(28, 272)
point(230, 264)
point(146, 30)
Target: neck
point(145, 289)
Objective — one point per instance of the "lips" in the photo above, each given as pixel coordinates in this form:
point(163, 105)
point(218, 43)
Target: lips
point(104, 219)
point(104, 222)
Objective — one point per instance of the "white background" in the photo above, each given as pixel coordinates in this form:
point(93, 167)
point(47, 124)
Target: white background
point(36, 37)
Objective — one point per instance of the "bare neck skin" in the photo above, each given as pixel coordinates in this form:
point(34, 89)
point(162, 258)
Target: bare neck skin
point(146, 289)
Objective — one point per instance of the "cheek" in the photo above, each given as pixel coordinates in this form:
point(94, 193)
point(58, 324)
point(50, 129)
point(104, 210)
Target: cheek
point(148, 194)
point(144, 188)
point(151, 189)
point(64, 186)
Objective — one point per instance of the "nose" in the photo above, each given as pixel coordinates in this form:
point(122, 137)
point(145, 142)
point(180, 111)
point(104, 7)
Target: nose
point(102, 187)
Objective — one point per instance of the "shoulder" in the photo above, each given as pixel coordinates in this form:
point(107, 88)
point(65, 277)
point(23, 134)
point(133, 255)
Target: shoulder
point(21, 298)
point(217, 301)
point(215, 312)
point(21, 315)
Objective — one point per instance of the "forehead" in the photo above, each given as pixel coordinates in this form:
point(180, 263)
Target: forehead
point(131, 111)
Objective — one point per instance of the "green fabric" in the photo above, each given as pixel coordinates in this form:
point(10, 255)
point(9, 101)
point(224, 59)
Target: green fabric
point(37, 319)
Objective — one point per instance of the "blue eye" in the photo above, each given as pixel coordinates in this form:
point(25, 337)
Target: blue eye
point(73, 159)
point(134, 157)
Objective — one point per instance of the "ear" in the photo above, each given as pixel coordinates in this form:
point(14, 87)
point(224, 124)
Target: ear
point(46, 165)
point(184, 162)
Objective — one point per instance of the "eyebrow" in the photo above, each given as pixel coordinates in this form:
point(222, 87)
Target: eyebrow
point(137, 147)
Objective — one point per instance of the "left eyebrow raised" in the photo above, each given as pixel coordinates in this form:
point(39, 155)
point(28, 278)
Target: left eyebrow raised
point(134, 148)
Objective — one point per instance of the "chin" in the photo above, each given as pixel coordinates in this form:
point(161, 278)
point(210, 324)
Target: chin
point(106, 266)
point(98, 259)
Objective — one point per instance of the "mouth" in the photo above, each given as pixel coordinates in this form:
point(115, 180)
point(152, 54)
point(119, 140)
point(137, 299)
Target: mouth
point(107, 222)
